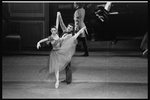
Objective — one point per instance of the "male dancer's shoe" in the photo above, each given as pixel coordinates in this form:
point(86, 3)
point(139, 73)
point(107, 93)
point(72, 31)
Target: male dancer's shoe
point(64, 81)
point(85, 55)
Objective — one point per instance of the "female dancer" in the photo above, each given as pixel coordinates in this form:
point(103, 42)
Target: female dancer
point(62, 52)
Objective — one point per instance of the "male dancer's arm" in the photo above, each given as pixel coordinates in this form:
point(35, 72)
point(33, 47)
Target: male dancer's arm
point(76, 20)
point(82, 15)
point(76, 16)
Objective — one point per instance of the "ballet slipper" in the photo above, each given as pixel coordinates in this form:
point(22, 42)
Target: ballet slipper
point(57, 84)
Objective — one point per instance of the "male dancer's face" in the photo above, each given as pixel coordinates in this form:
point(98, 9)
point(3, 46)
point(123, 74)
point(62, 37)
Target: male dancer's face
point(75, 5)
point(69, 28)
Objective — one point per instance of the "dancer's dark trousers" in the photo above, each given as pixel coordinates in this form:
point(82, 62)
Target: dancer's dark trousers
point(68, 72)
point(84, 42)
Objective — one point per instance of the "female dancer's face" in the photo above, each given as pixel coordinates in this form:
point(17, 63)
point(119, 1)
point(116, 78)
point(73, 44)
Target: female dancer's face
point(54, 30)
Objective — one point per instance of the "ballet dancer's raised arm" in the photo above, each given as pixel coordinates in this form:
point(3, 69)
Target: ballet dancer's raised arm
point(62, 25)
point(57, 20)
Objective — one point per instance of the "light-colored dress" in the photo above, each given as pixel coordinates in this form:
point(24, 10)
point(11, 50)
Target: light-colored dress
point(62, 52)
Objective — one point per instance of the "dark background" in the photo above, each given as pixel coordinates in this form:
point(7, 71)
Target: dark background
point(32, 21)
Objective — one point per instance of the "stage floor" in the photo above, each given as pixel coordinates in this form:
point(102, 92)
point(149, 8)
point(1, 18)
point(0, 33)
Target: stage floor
point(101, 75)
point(111, 71)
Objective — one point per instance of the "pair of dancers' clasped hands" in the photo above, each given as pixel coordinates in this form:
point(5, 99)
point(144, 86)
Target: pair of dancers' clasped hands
point(61, 46)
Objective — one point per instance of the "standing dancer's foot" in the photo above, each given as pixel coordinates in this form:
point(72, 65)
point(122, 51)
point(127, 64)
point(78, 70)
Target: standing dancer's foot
point(64, 81)
point(57, 84)
point(85, 55)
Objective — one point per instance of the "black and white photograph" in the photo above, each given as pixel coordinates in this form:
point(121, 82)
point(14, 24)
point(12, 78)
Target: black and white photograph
point(74, 49)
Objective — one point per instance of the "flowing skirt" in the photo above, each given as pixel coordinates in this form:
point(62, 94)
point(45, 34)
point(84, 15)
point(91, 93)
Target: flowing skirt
point(60, 58)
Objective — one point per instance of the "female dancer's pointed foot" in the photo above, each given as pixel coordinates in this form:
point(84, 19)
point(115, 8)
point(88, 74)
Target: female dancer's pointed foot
point(57, 84)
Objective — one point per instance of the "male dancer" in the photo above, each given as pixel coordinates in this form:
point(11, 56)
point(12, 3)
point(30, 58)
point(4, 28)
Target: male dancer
point(67, 32)
point(79, 15)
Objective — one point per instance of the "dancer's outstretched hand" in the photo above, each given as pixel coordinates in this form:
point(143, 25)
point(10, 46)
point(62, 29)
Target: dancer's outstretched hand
point(38, 45)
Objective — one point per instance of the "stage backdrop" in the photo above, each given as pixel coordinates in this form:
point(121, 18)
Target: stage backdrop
point(32, 21)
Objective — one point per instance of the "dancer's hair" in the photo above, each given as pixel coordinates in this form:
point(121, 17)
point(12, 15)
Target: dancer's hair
point(53, 26)
point(81, 5)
